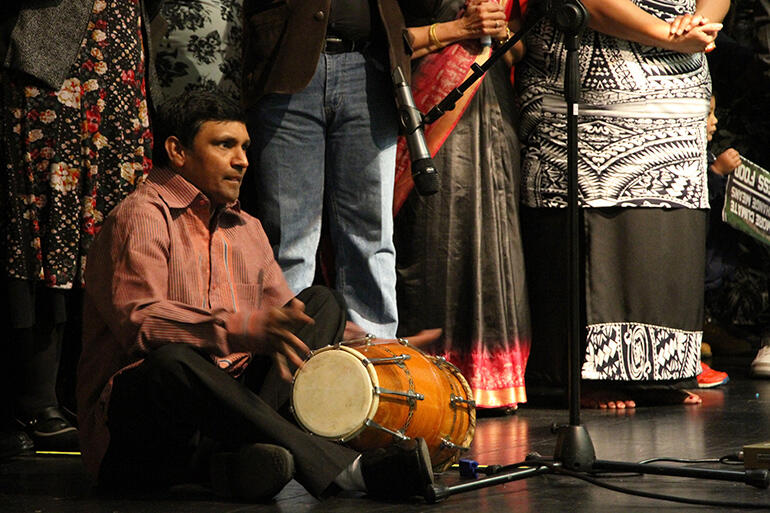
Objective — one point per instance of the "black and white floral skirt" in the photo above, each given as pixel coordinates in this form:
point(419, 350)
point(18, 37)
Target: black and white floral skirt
point(201, 48)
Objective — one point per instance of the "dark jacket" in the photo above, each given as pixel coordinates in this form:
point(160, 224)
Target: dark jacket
point(42, 37)
point(283, 41)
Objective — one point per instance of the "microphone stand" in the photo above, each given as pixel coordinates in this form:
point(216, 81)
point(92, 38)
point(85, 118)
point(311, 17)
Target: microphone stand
point(574, 450)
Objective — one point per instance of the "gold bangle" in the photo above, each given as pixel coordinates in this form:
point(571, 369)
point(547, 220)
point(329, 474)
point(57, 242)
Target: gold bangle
point(501, 42)
point(508, 35)
point(434, 40)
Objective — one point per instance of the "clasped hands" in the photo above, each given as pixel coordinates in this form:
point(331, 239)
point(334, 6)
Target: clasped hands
point(484, 18)
point(693, 33)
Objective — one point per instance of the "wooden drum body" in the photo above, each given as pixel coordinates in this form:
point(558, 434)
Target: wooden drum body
point(369, 393)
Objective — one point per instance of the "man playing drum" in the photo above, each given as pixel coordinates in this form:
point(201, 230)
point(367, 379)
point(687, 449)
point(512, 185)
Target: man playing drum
point(191, 332)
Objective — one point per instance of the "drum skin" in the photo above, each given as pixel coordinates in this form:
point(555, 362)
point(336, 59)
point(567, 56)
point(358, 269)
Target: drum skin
point(334, 399)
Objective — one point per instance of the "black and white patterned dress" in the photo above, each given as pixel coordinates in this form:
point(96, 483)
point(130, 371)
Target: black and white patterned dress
point(642, 166)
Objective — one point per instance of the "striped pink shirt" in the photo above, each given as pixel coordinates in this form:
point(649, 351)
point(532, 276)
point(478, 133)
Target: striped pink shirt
point(161, 272)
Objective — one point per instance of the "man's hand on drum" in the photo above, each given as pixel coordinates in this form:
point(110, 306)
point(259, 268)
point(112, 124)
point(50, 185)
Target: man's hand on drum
point(280, 342)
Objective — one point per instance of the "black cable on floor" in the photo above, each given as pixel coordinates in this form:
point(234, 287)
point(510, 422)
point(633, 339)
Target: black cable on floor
point(680, 460)
point(735, 458)
point(658, 496)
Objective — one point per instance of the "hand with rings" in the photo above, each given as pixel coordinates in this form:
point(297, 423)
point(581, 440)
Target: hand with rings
point(483, 18)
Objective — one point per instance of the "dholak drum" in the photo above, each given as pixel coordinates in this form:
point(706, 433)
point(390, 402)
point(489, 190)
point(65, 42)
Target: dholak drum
point(370, 392)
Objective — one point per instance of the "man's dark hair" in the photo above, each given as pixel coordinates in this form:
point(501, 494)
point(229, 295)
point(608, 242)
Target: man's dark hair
point(183, 115)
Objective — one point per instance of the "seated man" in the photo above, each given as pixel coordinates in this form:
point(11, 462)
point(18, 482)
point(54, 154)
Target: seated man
point(190, 334)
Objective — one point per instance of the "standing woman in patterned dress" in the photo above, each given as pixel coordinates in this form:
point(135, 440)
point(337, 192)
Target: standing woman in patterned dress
point(642, 185)
point(75, 141)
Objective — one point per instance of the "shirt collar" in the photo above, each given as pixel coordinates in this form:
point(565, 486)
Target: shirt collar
point(176, 191)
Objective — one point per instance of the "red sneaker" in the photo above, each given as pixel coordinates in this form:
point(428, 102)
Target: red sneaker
point(710, 378)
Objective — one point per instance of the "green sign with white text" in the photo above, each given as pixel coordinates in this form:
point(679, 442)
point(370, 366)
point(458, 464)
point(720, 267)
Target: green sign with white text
point(747, 200)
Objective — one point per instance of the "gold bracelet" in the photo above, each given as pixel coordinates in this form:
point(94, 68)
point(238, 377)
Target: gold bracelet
point(434, 40)
point(501, 42)
point(508, 35)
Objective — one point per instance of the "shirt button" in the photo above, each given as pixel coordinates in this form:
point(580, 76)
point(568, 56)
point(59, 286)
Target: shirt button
point(320, 15)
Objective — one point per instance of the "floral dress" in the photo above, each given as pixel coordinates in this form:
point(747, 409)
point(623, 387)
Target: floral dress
point(72, 154)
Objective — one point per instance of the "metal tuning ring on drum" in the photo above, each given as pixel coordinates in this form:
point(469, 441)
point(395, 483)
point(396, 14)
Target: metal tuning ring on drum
point(409, 394)
point(366, 340)
point(403, 341)
point(390, 359)
point(397, 434)
point(454, 399)
point(446, 444)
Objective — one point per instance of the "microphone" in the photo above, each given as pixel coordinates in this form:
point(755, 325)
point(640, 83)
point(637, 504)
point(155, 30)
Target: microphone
point(424, 172)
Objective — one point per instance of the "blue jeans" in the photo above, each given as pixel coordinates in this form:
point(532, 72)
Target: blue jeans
point(333, 144)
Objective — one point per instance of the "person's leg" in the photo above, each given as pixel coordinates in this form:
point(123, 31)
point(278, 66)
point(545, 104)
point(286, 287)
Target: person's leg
point(360, 163)
point(12, 440)
point(160, 409)
point(37, 320)
point(287, 159)
point(544, 232)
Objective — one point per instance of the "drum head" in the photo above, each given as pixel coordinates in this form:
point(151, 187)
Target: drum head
point(333, 393)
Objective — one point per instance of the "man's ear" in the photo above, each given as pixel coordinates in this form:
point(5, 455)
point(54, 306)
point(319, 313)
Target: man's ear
point(175, 151)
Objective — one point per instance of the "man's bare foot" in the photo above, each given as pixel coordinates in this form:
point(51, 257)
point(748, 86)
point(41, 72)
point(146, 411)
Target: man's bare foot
point(353, 331)
point(425, 337)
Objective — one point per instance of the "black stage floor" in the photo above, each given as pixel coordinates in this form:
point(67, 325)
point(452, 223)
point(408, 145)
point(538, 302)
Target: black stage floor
point(729, 418)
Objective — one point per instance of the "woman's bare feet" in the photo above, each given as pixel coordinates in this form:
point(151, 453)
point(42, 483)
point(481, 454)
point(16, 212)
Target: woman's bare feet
point(666, 396)
point(606, 400)
point(598, 398)
point(692, 398)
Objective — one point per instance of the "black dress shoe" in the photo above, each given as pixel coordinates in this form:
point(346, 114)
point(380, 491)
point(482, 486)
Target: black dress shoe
point(13, 443)
point(50, 429)
point(255, 473)
point(400, 471)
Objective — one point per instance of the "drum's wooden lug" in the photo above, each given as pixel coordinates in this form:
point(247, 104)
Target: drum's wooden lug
point(446, 444)
point(397, 434)
point(454, 399)
point(409, 394)
point(391, 359)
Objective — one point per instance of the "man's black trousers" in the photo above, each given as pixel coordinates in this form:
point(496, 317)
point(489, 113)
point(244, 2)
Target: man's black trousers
point(170, 412)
